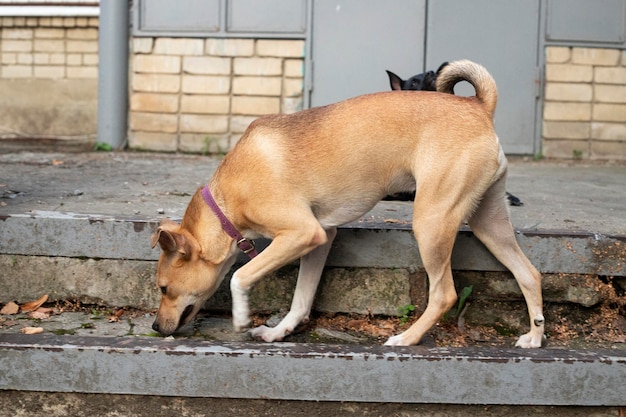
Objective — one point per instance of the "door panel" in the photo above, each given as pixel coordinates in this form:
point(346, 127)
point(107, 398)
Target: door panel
point(355, 41)
point(505, 40)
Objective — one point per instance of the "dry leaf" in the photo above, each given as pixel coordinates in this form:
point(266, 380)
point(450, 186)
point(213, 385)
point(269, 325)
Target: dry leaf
point(32, 330)
point(39, 315)
point(34, 305)
point(116, 317)
point(10, 308)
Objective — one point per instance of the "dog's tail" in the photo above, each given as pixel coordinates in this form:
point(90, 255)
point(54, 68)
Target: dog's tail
point(473, 73)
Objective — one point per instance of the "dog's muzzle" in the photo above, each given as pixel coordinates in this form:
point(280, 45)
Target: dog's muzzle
point(186, 312)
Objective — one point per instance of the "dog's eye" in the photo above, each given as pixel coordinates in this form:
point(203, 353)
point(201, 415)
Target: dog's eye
point(163, 290)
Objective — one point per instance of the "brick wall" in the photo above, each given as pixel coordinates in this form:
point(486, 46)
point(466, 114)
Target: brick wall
point(49, 47)
point(585, 103)
point(199, 95)
point(49, 79)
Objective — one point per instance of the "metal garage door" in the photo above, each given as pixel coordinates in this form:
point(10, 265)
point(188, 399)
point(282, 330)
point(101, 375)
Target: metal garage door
point(355, 41)
point(503, 36)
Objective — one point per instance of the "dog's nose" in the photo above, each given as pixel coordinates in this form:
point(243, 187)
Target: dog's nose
point(155, 326)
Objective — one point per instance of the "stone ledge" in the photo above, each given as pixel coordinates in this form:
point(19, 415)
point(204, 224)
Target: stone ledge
point(148, 366)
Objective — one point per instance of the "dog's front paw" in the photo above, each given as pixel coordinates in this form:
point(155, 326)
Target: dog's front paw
point(530, 341)
point(241, 326)
point(268, 334)
point(396, 340)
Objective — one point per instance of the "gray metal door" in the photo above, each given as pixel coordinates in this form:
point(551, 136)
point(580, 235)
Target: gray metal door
point(503, 36)
point(354, 41)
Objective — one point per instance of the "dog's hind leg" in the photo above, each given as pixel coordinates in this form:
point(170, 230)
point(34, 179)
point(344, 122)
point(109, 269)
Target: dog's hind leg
point(435, 230)
point(311, 267)
point(491, 224)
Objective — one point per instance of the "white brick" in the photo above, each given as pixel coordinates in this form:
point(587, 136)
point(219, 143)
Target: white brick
point(558, 54)
point(595, 56)
point(294, 68)
point(25, 59)
point(82, 34)
point(203, 143)
point(49, 33)
point(229, 47)
point(90, 59)
point(74, 59)
point(246, 105)
point(41, 59)
point(89, 46)
point(280, 48)
point(154, 122)
point(194, 123)
point(205, 104)
point(17, 71)
point(206, 65)
point(610, 75)
point(239, 124)
point(151, 141)
point(205, 84)
point(57, 59)
point(258, 66)
point(566, 130)
point(49, 71)
point(608, 150)
point(17, 45)
point(49, 45)
point(257, 86)
point(9, 58)
point(610, 93)
point(149, 102)
point(569, 73)
point(608, 131)
point(142, 45)
point(609, 112)
point(293, 87)
point(156, 83)
point(178, 46)
point(292, 104)
point(157, 64)
point(568, 92)
point(567, 111)
point(17, 33)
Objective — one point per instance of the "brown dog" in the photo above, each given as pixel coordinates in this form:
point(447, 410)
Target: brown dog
point(295, 178)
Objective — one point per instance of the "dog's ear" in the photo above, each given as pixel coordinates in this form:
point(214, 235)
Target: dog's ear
point(441, 67)
point(168, 238)
point(394, 81)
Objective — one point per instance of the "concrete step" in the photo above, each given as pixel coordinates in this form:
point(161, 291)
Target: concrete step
point(78, 225)
point(312, 372)
point(83, 221)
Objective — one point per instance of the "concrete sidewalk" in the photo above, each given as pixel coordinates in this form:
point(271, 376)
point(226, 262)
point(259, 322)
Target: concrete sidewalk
point(557, 196)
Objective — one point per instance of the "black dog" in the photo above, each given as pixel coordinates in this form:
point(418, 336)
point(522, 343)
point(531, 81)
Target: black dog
point(425, 81)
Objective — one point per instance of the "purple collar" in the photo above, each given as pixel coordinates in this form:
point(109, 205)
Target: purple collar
point(245, 245)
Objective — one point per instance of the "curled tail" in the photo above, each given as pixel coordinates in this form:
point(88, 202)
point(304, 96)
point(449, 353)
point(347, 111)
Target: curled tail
point(476, 75)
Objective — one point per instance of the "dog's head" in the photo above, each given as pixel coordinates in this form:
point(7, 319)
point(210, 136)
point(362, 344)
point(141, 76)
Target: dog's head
point(187, 275)
point(425, 81)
